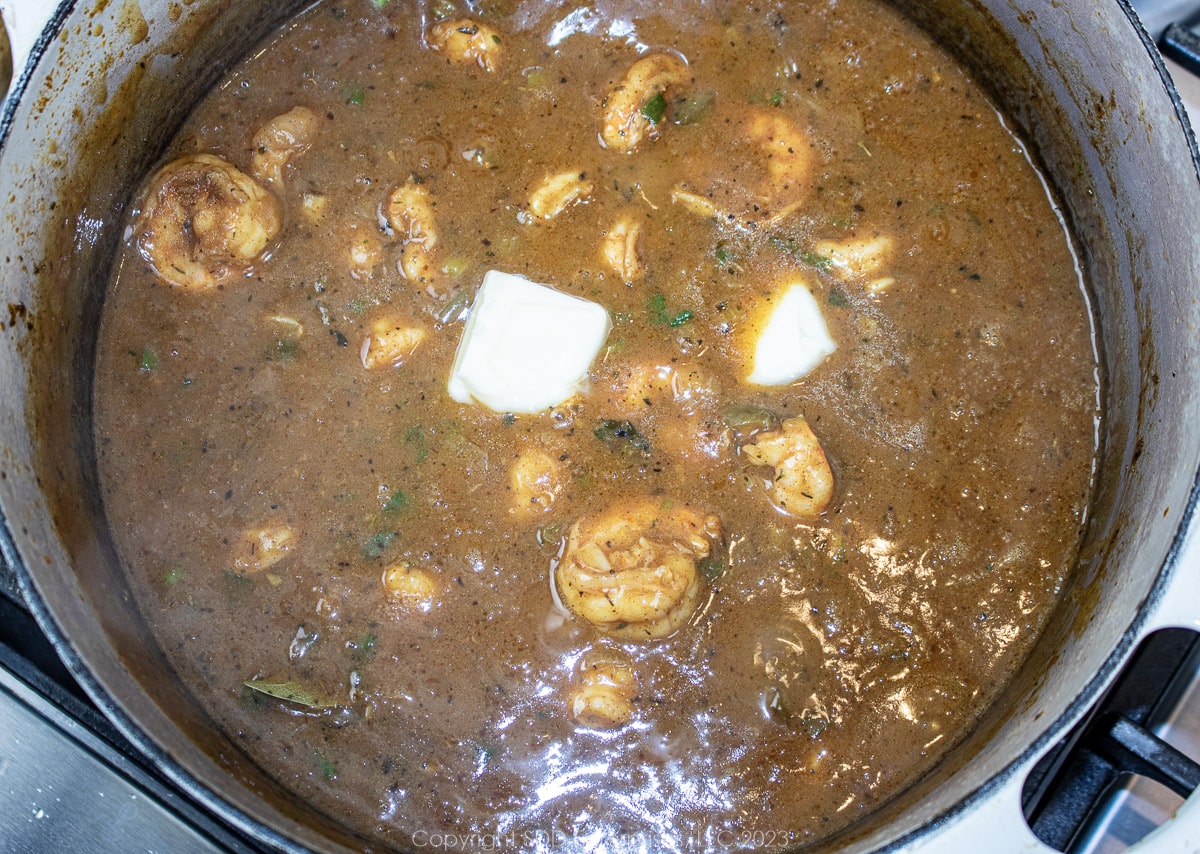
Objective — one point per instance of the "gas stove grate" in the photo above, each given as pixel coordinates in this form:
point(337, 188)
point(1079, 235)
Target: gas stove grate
point(1069, 794)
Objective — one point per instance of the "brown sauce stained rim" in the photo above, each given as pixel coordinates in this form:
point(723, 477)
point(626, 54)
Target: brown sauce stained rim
point(204, 796)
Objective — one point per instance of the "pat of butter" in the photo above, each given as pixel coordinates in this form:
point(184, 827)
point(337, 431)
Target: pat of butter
point(794, 339)
point(525, 347)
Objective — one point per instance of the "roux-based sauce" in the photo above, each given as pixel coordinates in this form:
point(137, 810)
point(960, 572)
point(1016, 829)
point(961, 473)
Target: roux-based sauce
point(832, 660)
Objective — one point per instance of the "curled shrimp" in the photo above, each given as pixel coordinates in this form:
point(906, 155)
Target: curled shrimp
point(625, 123)
point(631, 571)
point(620, 248)
point(409, 211)
point(803, 481)
point(784, 162)
point(535, 480)
point(466, 42)
point(204, 221)
point(278, 141)
point(604, 690)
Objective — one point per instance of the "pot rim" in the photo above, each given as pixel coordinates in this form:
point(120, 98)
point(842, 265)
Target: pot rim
point(206, 797)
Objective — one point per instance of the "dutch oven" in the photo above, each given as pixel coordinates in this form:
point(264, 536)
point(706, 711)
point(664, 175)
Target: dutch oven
point(107, 83)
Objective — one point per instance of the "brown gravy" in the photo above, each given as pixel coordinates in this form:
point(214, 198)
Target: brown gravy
point(830, 660)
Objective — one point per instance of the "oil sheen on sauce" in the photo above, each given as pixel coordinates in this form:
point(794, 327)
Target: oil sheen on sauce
point(830, 660)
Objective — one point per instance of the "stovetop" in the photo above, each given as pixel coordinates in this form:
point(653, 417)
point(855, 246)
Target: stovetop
point(70, 781)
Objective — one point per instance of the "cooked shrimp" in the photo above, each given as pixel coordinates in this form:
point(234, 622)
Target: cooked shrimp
point(467, 42)
point(683, 399)
point(409, 587)
point(262, 548)
point(631, 570)
point(625, 125)
point(787, 152)
point(803, 482)
point(391, 342)
point(204, 221)
point(313, 206)
point(536, 481)
point(279, 140)
point(605, 687)
point(409, 211)
point(785, 160)
point(620, 249)
point(365, 252)
point(558, 192)
point(857, 257)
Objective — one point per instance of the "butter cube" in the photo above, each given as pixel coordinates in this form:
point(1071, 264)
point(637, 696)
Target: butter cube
point(793, 339)
point(525, 347)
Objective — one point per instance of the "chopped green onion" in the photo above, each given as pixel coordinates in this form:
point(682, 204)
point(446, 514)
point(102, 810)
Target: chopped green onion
point(397, 502)
point(285, 349)
point(656, 307)
point(379, 4)
point(172, 576)
point(786, 244)
point(693, 108)
point(357, 97)
point(415, 438)
point(327, 768)
point(747, 419)
point(378, 544)
point(365, 647)
point(837, 297)
point(147, 361)
point(655, 108)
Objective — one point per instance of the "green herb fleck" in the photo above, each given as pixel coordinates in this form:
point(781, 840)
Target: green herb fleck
point(357, 97)
point(712, 567)
point(365, 647)
point(623, 437)
point(838, 298)
point(378, 544)
point(379, 4)
point(693, 108)
point(495, 39)
point(327, 768)
point(455, 308)
point(508, 419)
point(726, 257)
point(147, 361)
point(238, 579)
point(656, 308)
point(776, 98)
point(655, 108)
point(172, 576)
point(746, 419)
point(187, 381)
point(442, 9)
point(414, 437)
point(821, 262)
point(285, 349)
point(805, 256)
point(396, 502)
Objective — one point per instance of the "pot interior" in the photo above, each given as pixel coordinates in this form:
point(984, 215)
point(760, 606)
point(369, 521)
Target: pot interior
point(1082, 87)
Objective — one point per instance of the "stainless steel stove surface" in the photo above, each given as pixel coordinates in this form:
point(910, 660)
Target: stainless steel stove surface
point(69, 781)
